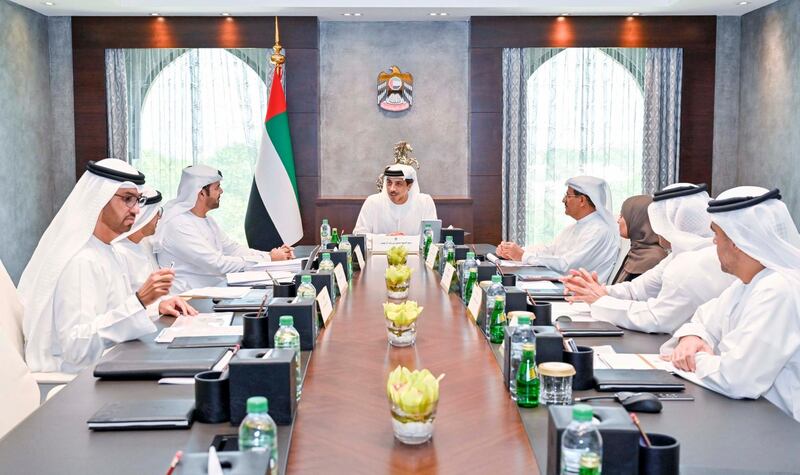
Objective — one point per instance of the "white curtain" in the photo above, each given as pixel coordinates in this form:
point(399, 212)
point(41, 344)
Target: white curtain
point(662, 117)
point(170, 108)
point(585, 114)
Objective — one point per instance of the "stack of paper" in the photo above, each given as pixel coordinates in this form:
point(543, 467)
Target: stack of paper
point(291, 265)
point(217, 292)
point(202, 324)
point(256, 277)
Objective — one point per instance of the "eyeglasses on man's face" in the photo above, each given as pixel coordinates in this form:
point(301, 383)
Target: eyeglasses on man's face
point(132, 200)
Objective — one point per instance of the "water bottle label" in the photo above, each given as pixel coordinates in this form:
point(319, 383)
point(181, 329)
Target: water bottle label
point(571, 460)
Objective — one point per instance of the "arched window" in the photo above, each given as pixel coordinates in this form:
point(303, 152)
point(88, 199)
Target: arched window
point(205, 106)
point(585, 117)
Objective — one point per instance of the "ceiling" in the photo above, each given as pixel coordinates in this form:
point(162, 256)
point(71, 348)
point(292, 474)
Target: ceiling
point(383, 10)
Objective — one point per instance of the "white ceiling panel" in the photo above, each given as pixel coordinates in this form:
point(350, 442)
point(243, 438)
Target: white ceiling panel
point(383, 10)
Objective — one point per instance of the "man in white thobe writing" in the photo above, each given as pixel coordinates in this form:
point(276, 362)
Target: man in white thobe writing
point(592, 242)
point(746, 342)
point(135, 245)
point(665, 297)
point(76, 290)
point(400, 206)
point(201, 251)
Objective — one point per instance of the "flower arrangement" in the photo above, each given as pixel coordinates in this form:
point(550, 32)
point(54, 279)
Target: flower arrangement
point(396, 255)
point(397, 278)
point(414, 397)
point(401, 322)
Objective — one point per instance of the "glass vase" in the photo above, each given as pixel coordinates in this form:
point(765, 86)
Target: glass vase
point(397, 291)
point(401, 336)
point(413, 429)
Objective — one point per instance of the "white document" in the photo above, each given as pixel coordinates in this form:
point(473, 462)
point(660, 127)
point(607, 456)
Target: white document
point(447, 276)
point(382, 242)
point(474, 306)
point(203, 324)
point(178, 381)
point(577, 312)
point(341, 278)
point(258, 277)
point(602, 350)
point(537, 285)
point(325, 305)
point(636, 361)
point(217, 292)
point(503, 262)
point(291, 265)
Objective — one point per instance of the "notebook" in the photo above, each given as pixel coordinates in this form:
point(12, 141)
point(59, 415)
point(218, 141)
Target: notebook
point(133, 415)
point(142, 362)
point(249, 303)
point(588, 329)
point(204, 341)
point(612, 380)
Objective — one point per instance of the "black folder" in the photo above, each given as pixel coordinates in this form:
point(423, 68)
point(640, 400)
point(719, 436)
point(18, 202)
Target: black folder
point(613, 380)
point(151, 362)
point(588, 329)
point(133, 415)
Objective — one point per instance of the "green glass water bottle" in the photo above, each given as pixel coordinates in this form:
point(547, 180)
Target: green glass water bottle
point(497, 323)
point(527, 378)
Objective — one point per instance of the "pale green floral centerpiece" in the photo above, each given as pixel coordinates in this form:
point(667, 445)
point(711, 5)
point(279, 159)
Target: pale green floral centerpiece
point(396, 255)
point(414, 397)
point(401, 326)
point(397, 279)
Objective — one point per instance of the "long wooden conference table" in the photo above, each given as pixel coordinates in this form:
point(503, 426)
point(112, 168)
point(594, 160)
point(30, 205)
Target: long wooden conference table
point(343, 423)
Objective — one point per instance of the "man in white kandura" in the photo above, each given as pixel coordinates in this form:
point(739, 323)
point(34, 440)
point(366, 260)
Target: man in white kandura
point(187, 236)
point(398, 208)
point(135, 245)
point(666, 296)
point(746, 342)
point(76, 290)
point(590, 243)
point(19, 393)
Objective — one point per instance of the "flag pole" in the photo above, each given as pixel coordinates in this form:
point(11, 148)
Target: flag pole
point(277, 57)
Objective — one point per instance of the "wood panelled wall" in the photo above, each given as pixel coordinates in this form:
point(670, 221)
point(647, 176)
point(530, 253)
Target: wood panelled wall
point(488, 37)
point(91, 36)
point(481, 212)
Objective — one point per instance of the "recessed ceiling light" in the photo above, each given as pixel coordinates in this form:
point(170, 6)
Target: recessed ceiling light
point(356, 14)
point(565, 14)
point(49, 4)
point(744, 3)
point(635, 14)
point(351, 14)
point(155, 14)
point(225, 14)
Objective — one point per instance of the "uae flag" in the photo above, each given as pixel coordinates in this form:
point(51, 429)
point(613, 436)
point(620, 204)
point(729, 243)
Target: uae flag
point(273, 211)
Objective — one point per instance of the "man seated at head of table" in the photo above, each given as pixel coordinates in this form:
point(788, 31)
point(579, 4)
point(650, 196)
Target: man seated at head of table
point(201, 251)
point(400, 206)
point(76, 290)
point(592, 242)
point(665, 297)
point(746, 342)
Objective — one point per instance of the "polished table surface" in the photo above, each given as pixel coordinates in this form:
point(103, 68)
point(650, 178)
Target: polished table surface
point(343, 423)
